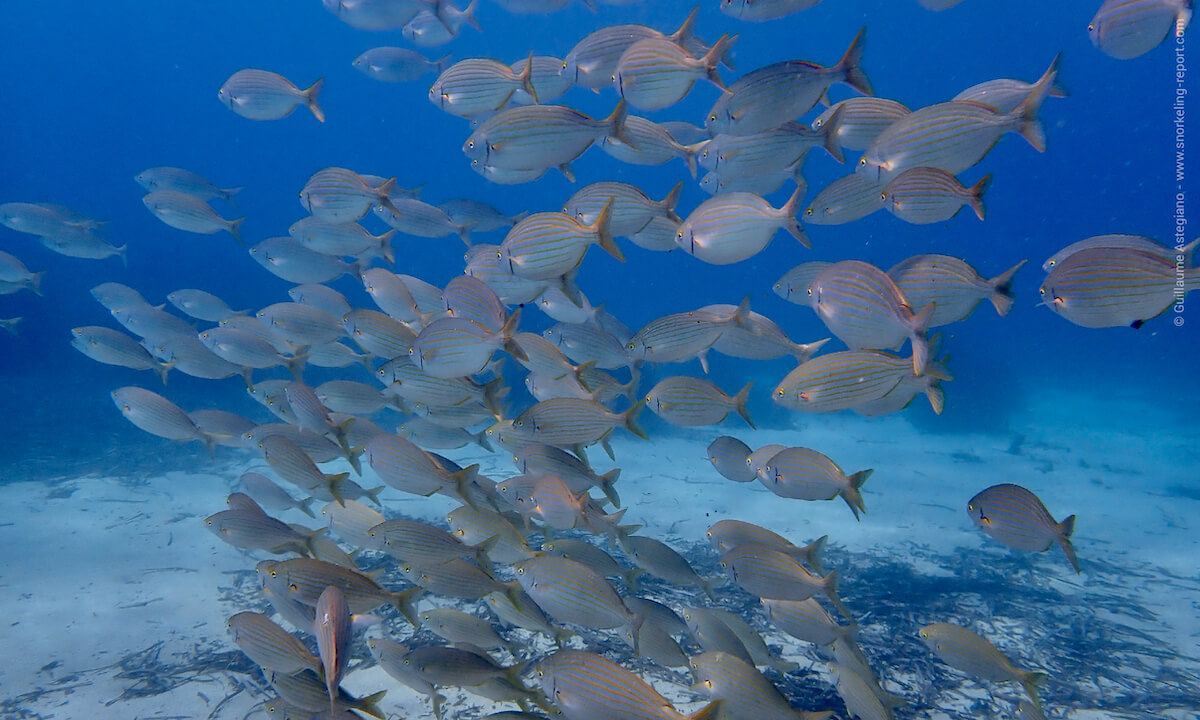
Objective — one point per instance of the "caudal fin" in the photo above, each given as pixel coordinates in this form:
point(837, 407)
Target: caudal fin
point(310, 97)
point(603, 229)
point(1002, 295)
point(830, 129)
point(526, 78)
point(629, 419)
point(851, 63)
point(975, 197)
point(616, 124)
point(920, 345)
point(1067, 527)
point(739, 403)
point(1026, 114)
point(712, 59)
point(852, 493)
point(791, 211)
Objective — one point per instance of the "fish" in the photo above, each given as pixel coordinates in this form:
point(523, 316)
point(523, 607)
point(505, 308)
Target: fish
point(391, 295)
point(290, 260)
point(547, 82)
point(538, 458)
point(691, 402)
point(269, 645)
point(593, 61)
point(293, 464)
point(774, 94)
point(393, 64)
point(1004, 95)
point(844, 200)
point(571, 422)
point(301, 325)
point(728, 455)
point(457, 578)
point(928, 195)
point(1113, 286)
point(793, 285)
point(728, 534)
point(306, 691)
point(202, 305)
point(862, 306)
point(1017, 518)
point(41, 219)
point(184, 181)
point(378, 334)
point(341, 238)
point(338, 195)
point(420, 219)
point(951, 136)
point(557, 305)
point(457, 347)
point(655, 72)
point(663, 561)
point(861, 119)
point(632, 210)
point(682, 336)
point(574, 593)
point(859, 694)
point(485, 262)
point(305, 579)
point(256, 531)
point(476, 216)
point(14, 276)
point(157, 415)
point(421, 544)
point(963, 649)
point(953, 286)
point(586, 686)
point(779, 150)
point(461, 667)
point(352, 397)
point(736, 226)
point(548, 245)
point(761, 339)
point(333, 632)
point(590, 342)
point(1131, 242)
point(246, 349)
point(113, 347)
point(267, 493)
point(584, 552)
point(533, 137)
point(843, 380)
point(764, 10)
point(773, 574)
point(393, 658)
point(473, 299)
point(353, 522)
point(457, 626)
point(804, 474)
point(408, 468)
point(264, 95)
point(807, 620)
point(409, 382)
point(185, 212)
point(430, 29)
point(744, 691)
point(78, 243)
point(1126, 29)
point(649, 143)
point(476, 86)
point(9, 325)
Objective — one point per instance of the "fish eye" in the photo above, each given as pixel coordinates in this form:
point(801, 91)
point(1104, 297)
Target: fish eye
point(883, 197)
point(471, 144)
point(1091, 28)
point(780, 394)
point(500, 254)
point(1042, 291)
point(564, 67)
point(862, 161)
point(808, 212)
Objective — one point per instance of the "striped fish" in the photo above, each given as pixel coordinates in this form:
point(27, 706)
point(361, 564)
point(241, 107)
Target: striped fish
point(301, 325)
point(1004, 95)
point(631, 209)
point(745, 693)
point(270, 495)
point(540, 459)
point(901, 396)
point(928, 195)
point(524, 614)
point(457, 626)
point(391, 295)
point(461, 667)
point(393, 64)
point(681, 336)
point(544, 358)
point(321, 297)
point(406, 467)
point(953, 286)
point(585, 553)
point(246, 349)
point(437, 437)
point(761, 184)
point(844, 200)
point(1125, 29)
point(341, 238)
point(339, 195)
point(843, 380)
point(545, 246)
point(156, 415)
point(473, 299)
point(861, 120)
point(570, 422)
point(1129, 242)
point(353, 522)
point(293, 464)
point(455, 347)
point(152, 324)
point(554, 503)
point(753, 641)
point(793, 285)
point(453, 416)
point(736, 226)
point(758, 459)
point(761, 339)
point(476, 86)
point(504, 542)
point(418, 543)
point(333, 633)
point(1113, 286)
point(726, 535)
point(201, 305)
point(511, 176)
point(862, 306)
point(311, 415)
point(351, 397)
point(648, 143)
point(772, 95)
point(807, 620)
point(586, 686)
point(478, 216)
point(306, 691)
point(418, 218)
point(544, 75)
point(304, 580)
point(557, 305)
point(1016, 517)
point(773, 574)
point(661, 560)
point(574, 593)
point(764, 10)
point(255, 327)
point(269, 645)
point(457, 578)
point(804, 474)
point(710, 632)
point(336, 355)
point(288, 259)
point(951, 136)
point(415, 385)
point(486, 263)
point(534, 137)
point(593, 60)
point(256, 531)
point(692, 402)
point(728, 455)
point(113, 347)
point(589, 342)
point(263, 95)
point(187, 212)
point(859, 694)
point(392, 657)
point(963, 649)
point(186, 354)
point(655, 73)
point(227, 429)
point(773, 151)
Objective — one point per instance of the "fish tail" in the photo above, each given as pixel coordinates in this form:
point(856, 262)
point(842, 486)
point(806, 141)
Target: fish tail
point(163, 368)
point(373, 494)
point(11, 326)
point(684, 33)
point(526, 78)
point(506, 335)
point(1187, 252)
point(305, 506)
point(832, 146)
point(740, 401)
point(851, 63)
point(918, 324)
point(603, 230)
point(235, 229)
point(1030, 681)
point(811, 553)
point(35, 282)
point(831, 587)
point(853, 494)
point(629, 419)
point(937, 396)
point(406, 603)
point(480, 439)
point(712, 59)
point(468, 15)
point(1057, 89)
point(121, 254)
point(492, 393)
point(1026, 114)
point(228, 193)
point(606, 482)
point(462, 480)
point(616, 124)
point(1002, 294)
point(336, 482)
point(671, 201)
point(295, 365)
point(791, 211)
point(441, 63)
point(310, 97)
point(976, 195)
point(711, 711)
point(370, 704)
point(1066, 528)
point(709, 586)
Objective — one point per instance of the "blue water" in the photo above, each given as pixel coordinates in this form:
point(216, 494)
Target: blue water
point(96, 92)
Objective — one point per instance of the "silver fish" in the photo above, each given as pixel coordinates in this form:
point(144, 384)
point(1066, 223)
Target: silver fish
point(333, 632)
point(1113, 286)
point(1126, 29)
point(269, 645)
point(953, 286)
point(263, 95)
point(188, 213)
point(655, 73)
point(964, 649)
point(535, 137)
point(1016, 517)
point(292, 261)
point(690, 402)
point(736, 226)
point(862, 119)
point(479, 85)
point(184, 181)
point(393, 64)
point(728, 455)
point(1004, 94)
point(928, 195)
point(846, 199)
point(804, 474)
